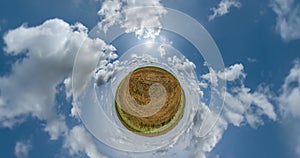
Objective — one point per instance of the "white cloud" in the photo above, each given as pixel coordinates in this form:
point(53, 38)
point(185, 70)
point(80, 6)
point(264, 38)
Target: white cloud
point(140, 17)
point(242, 107)
point(30, 89)
point(288, 18)
point(68, 85)
point(165, 42)
point(207, 144)
point(50, 51)
point(79, 141)
point(22, 148)
point(111, 11)
point(212, 77)
point(289, 104)
point(182, 65)
point(91, 52)
point(232, 73)
point(223, 8)
point(240, 102)
point(289, 99)
point(162, 50)
point(107, 70)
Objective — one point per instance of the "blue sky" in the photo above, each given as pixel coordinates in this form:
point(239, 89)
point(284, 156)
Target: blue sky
point(259, 42)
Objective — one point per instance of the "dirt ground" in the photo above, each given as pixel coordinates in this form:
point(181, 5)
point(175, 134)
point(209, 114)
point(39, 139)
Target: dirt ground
point(139, 83)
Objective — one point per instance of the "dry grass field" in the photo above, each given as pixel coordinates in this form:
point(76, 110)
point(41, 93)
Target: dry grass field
point(150, 101)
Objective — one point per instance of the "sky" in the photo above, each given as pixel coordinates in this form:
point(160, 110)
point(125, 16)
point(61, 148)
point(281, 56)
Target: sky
point(259, 42)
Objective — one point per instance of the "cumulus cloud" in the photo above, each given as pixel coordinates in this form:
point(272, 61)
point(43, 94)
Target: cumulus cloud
point(182, 65)
point(245, 106)
point(224, 8)
point(140, 17)
point(30, 89)
point(289, 104)
point(240, 103)
point(50, 49)
point(242, 107)
point(206, 144)
point(288, 18)
point(106, 69)
point(79, 141)
point(232, 73)
point(289, 98)
point(22, 149)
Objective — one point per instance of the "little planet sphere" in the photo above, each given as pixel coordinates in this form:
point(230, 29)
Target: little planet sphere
point(150, 101)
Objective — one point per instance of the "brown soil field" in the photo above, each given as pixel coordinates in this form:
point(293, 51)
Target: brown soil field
point(148, 99)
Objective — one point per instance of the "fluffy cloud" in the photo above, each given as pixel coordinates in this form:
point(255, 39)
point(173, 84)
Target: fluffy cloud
point(140, 17)
point(50, 49)
point(207, 143)
point(29, 90)
point(182, 65)
point(289, 104)
point(232, 72)
point(241, 106)
point(79, 141)
point(22, 148)
point(244, 106)
point(289, 98)
point(288, 18)
point(223, 8)
point(107, 70)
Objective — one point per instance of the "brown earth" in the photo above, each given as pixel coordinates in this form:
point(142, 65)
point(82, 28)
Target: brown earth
point(139, 83)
